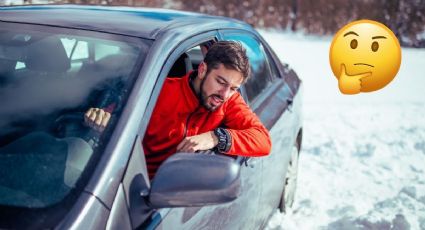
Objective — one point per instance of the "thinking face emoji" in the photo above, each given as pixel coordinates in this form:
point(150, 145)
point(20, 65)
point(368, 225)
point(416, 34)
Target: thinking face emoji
point(365, 56)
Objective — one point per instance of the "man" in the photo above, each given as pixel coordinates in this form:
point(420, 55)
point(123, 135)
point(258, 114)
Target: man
point(203, 110)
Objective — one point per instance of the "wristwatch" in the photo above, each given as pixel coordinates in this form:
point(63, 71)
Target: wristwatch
point(224, 140)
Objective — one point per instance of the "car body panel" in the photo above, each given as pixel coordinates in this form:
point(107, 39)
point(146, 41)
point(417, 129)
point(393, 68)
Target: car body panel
point(224, 216)
point(88, 211)
point(119, 216)
point(139, 22)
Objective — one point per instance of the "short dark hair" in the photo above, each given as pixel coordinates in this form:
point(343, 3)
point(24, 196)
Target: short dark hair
point(231, 54)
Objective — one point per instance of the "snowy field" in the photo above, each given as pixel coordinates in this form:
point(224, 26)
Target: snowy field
point(362, 164)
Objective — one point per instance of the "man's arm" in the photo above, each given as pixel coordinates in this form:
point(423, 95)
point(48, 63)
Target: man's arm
point(204, 141)
point(249, 137)
point(246, 134)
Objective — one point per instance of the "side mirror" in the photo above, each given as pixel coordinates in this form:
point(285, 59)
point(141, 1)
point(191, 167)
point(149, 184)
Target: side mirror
point(188, 179)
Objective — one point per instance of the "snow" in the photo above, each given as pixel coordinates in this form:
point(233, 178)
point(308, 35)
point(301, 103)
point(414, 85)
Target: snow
point(362, 163)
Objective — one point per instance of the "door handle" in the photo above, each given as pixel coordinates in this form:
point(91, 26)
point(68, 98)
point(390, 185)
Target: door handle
point(251, 162)
point(289, 101)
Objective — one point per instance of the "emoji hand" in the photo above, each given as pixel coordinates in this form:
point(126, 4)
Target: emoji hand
point(350, 84)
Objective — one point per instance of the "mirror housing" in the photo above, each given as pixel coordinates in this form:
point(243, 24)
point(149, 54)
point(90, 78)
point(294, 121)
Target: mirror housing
point(190, 179)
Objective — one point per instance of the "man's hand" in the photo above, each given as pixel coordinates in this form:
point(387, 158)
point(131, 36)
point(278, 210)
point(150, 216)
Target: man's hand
point(350, 84)
point(204, 141)
point(97, 119)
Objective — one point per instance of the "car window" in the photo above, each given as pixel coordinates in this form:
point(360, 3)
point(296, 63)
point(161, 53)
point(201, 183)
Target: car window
point(273, 68)
point(49, 77)
point(190, 59)
point(196, 56)
point(156, 144)
point(260, 77)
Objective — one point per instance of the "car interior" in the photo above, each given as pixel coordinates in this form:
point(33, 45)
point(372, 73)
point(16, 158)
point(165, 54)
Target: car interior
point(188, 61)
point(29, 147)
point(28, 141)
point(181, 67)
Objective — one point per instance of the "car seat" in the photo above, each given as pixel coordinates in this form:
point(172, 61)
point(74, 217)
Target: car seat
point(47, 55)
point(181, 67)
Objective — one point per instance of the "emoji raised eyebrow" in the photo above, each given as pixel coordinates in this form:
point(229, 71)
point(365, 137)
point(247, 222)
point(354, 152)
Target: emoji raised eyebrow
point(377, 37)
point(351, 32)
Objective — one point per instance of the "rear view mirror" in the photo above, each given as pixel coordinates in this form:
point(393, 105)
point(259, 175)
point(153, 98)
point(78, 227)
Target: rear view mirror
point(188, 179)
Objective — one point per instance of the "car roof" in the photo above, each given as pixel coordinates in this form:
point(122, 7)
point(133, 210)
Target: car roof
point(131, 21)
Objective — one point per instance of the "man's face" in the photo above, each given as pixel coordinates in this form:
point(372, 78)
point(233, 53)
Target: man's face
point(218, 86)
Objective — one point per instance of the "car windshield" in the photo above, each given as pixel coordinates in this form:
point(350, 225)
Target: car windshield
point(49, 78)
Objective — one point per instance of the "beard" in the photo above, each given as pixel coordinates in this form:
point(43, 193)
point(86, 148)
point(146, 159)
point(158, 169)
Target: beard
point(210, 102)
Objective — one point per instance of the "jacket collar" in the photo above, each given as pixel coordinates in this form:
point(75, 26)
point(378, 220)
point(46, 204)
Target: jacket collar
point(191, 98)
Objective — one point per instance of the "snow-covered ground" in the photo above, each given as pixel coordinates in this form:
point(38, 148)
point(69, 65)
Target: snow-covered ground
point(362, 164)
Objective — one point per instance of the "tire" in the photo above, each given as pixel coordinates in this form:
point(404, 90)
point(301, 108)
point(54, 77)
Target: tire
point(290, 186)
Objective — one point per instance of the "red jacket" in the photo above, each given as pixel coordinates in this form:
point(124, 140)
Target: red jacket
point(178, 114)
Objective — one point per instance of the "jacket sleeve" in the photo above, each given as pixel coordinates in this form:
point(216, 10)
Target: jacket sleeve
point(249, 137)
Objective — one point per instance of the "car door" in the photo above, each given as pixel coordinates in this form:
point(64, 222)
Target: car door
point(284, 131)
point(269, 97)
point(237, 214)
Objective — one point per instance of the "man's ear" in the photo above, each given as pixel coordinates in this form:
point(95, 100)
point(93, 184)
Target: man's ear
point(202, 70)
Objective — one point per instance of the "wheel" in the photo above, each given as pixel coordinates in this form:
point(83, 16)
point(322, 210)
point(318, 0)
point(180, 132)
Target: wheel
point(290, 186)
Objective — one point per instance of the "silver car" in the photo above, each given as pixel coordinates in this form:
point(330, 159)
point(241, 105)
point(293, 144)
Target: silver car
point(58, 61)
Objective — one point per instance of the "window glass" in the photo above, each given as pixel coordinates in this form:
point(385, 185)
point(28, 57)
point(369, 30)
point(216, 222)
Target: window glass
point(273, 68)
point(260, 69)
point(81, 51)
point(68, 45)
point(44, 145)
point(103, 50)
point(20, 65)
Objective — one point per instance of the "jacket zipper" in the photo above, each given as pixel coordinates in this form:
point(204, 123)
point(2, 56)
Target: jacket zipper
point(187, 122)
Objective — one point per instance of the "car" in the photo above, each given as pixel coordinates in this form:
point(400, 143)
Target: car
point(56, 61)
